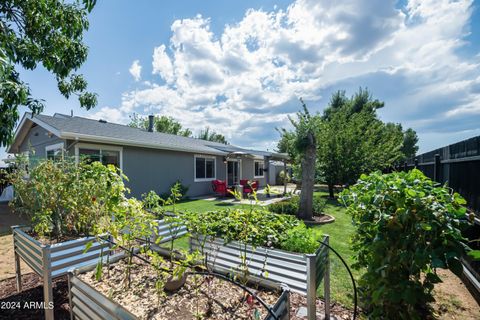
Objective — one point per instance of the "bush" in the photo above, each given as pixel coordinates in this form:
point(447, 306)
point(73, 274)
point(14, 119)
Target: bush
point(319, 205)
point(182, 189)
point(290, 206)
point(255, 227)
point(65, 198)
point(406, 228)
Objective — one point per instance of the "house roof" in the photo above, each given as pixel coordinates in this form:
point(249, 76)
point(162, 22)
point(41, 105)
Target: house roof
point(83, 129)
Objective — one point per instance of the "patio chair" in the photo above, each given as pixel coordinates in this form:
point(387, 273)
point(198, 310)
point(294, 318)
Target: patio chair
point(219, 187)
point(249, 185)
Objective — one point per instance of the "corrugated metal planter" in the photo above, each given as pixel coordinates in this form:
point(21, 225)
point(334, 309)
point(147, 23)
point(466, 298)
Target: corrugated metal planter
point(166, 231)
point(87, 303)
point(52, 261)
point(302, 273)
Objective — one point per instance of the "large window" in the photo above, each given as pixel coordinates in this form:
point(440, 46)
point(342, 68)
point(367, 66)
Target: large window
point(104, 154)
point(54, 151)
point(204, 168)
point(258, 171)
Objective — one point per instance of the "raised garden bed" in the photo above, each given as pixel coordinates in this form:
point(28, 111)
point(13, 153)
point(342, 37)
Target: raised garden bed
point(217, 298)
point(51, 261)
point(303, 273)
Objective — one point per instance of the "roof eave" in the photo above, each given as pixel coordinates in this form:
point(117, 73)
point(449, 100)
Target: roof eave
point(126, 142)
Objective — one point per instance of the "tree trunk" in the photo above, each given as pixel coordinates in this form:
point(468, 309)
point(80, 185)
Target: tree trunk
point(305, 210)
point(330, 191)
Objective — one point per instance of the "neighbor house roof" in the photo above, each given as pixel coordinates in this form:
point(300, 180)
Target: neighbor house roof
point(83, 129)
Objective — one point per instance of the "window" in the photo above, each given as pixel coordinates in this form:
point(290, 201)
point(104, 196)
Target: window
point(204, 168)
point(258, 171)
point(54, 152)
point(104, 154)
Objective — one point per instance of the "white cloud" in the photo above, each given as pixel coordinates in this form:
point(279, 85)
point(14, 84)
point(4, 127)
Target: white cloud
point(246, 80)
point(136, 70)
point(162, 64)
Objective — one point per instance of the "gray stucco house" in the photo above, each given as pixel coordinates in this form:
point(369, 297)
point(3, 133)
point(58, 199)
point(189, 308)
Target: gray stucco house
point(151, 160)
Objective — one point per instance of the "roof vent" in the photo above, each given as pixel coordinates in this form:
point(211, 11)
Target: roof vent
point(102, 121)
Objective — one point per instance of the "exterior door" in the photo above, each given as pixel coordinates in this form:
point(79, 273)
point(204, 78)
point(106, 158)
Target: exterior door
point(233, 172)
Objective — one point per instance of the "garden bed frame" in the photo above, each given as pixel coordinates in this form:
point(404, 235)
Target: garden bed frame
point(52, 261)
point(87, 303)
point(302, 273)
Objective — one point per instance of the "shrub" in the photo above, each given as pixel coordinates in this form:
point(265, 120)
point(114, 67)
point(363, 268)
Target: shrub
point(319, 205)
point(182, 189)
point(406, 228)
point(290, 206)
point(65, 198)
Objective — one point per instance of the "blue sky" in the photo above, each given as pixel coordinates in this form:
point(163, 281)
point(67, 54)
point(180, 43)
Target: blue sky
point(240, 66)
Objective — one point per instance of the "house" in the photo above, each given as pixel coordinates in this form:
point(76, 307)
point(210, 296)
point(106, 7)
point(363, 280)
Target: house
point(151, 160)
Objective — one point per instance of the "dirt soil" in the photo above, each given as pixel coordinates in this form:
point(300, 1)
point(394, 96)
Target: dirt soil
point(211, 297)
point(7, 261)
point(453, 300)
point(19, 306)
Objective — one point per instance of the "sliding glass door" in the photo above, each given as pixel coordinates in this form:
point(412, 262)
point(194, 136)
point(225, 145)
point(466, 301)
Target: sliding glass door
point(233, 172)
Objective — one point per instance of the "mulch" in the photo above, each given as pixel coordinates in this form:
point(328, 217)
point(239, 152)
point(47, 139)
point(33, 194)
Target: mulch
point(33, 292)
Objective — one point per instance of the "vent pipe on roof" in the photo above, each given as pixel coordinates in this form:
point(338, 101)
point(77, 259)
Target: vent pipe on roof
point(150, 123)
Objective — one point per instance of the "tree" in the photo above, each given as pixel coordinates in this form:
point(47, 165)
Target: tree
point(410, 140)
point(354, 141)
point(208, 135)
point(163, 124)
point(47, 32)
point(301, 143)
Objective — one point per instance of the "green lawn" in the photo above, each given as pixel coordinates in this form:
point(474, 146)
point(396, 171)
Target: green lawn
point(340, 232)
point(204, 205)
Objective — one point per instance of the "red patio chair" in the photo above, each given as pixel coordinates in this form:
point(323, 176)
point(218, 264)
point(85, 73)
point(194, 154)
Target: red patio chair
point(219, 187)
point(249, 185)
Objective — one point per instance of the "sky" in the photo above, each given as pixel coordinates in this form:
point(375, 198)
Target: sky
point(240, 67)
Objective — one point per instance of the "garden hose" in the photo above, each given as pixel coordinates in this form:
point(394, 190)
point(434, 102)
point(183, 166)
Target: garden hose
point(351, 277)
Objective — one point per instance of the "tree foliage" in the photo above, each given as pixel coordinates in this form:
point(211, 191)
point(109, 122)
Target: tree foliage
point(163, 124)
point(410, 147)
point(211, 135)
point(46, 32)
point(301, 145)
point(407, 227)
point(352, 140)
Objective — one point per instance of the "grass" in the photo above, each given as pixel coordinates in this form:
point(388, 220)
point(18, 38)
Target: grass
point(339, 231)
point(204, 205)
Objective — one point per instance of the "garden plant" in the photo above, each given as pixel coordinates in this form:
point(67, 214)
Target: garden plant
point(65, 199)
point(407, 227)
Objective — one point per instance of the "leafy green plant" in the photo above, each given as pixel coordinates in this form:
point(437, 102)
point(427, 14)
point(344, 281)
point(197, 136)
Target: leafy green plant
point(290, 206)
point(130, 224)
point(64, 198)
point(301, 239)
point(407, 227)
point(319, 205)
point(152, 201)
